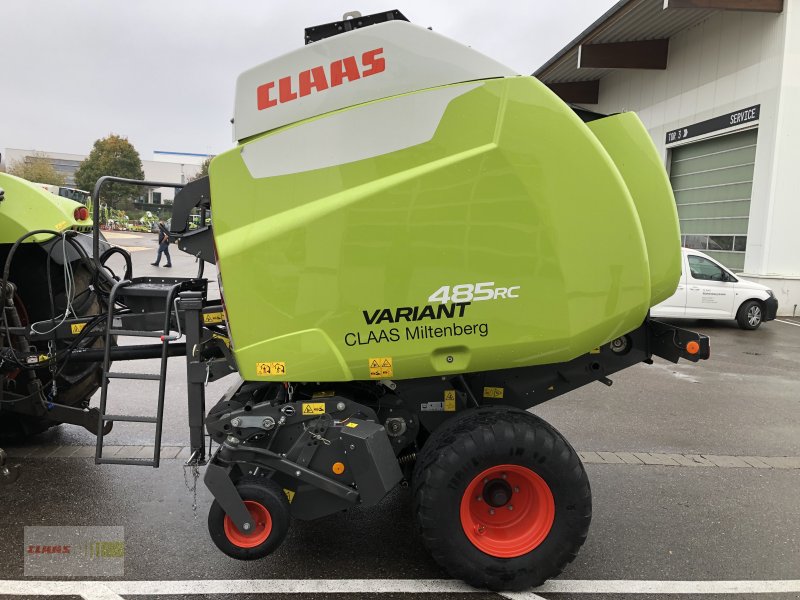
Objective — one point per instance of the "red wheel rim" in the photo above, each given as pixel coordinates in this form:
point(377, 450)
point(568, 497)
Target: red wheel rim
point(507, 511)
point(263, 527)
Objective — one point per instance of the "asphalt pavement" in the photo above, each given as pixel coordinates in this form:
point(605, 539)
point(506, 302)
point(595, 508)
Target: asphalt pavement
point(695, 472)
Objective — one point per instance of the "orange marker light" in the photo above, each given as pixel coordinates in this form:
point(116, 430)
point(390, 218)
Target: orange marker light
point(338, 468)
point(692, 347)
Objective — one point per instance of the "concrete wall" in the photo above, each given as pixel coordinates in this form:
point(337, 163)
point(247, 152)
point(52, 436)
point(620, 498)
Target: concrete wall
point(781, 222)
point(727, 62)
point(168, 172)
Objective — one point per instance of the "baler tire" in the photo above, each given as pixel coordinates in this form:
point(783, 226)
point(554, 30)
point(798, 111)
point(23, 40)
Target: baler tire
point(493, 442)
point(268, 505)
point(440, 437)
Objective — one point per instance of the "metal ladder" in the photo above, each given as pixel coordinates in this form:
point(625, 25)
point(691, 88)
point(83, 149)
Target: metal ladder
point(144, 291)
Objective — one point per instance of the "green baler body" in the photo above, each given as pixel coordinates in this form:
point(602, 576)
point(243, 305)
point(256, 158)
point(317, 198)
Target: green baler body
point(328, 272)
point(27, 207)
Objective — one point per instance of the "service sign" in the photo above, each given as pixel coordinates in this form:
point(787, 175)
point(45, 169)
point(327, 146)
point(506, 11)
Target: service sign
point(733, 119)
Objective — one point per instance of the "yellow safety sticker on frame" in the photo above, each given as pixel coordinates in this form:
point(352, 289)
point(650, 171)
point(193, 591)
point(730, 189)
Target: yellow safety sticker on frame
point(449, 400)
point(313, 408)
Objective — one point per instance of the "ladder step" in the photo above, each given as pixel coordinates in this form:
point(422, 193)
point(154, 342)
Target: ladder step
point(136, 333)
point(119, 375)
point(143, 462)
point(130, 418)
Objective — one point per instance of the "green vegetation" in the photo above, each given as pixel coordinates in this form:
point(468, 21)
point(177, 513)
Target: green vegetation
point(203, 172)
point(37, 169)
point(112, 155)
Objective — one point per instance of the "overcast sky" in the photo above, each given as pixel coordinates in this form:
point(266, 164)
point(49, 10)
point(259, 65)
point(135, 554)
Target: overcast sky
point(162, 72)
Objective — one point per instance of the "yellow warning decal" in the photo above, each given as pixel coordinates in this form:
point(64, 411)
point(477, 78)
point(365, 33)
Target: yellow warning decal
point(225, 340)
point(62, 225)
point(449, 400)
point(77, 328)
point(352, 425)
point(313, 408)
point(595, 351)
point(289, 495)
point(214, 317)
point(493, 392)
point(42, 357)
point(381, 368)
point(270, 369)
point(328, 394)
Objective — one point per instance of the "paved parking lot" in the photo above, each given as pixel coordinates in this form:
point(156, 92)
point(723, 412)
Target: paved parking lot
point(695, 472)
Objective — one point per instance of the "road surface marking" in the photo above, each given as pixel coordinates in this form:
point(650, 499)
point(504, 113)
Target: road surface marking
point(670, 459)
point(788, 322)
point(119, 235)
point(115, 590)
point(635, 586)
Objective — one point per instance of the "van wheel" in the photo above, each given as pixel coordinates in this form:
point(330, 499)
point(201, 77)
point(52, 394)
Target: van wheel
point(750, 315)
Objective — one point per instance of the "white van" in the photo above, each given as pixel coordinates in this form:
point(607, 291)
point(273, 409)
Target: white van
point(707, 290)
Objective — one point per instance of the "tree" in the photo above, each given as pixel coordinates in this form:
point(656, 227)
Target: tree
point(37, 168)
point(112, 155)
point(203, 172)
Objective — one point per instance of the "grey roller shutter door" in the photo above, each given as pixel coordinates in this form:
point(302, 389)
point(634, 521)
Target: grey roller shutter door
point(713, 182)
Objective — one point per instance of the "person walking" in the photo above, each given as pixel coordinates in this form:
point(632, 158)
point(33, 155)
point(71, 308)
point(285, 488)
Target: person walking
point(163, 245)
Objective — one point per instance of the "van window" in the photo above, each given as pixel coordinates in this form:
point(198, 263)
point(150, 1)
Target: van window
point(703, 269)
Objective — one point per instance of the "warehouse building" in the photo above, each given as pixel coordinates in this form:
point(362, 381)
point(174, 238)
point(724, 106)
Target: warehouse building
point(166, 167)
point(717, 84)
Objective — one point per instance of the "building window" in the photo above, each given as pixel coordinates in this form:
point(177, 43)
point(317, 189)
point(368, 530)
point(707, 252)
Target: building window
point(156, 197)
point(713, 182)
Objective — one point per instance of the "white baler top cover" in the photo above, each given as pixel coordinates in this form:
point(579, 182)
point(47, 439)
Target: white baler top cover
point(365, 64)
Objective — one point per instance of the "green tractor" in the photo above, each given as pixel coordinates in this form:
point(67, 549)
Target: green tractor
point(49, 275)
point(415, 246)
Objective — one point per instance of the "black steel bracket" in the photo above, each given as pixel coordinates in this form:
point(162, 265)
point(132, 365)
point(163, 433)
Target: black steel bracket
point(326, 30)
point(221, 486)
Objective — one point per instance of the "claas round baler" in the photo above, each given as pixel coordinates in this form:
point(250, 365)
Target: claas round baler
point(416, 245)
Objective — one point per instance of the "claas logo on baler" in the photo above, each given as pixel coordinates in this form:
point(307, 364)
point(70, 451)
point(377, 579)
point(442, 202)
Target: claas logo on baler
point(318, 79)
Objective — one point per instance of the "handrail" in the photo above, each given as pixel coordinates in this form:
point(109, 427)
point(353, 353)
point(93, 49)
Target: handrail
point(96, 203)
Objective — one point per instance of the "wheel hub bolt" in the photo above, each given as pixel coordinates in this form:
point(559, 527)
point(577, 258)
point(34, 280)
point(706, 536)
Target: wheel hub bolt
point(246, 526)
point(480, 529)
point(510, 507)
point(504, 476)
point(491, 511)
point(480, 498)
point(516, 490)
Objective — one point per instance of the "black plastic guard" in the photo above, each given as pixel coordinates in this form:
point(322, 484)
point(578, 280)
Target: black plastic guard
point(673, 343)
point(196, 194)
